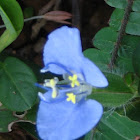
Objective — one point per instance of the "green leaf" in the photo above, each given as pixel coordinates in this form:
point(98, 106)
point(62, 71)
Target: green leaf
point(105, 40)
point(115, 95)
point(133, 26)
point(133, 110)
point(31, 114)
point(111, 99)
point(116, 127)
point(13, 20)
point(136, 6)
point(17, 88)
point(123, 3)
point(116, 18)
point(136, 60)
point(129, 78)
point(117, 3)
point(125, 64)
point(128, 45)
point(6, 117)
point(100, 58)
point(89, 136)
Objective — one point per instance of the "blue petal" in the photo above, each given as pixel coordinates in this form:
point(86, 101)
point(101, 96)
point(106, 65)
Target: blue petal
point(67, 121)
point(64, 47)
point(92, 74)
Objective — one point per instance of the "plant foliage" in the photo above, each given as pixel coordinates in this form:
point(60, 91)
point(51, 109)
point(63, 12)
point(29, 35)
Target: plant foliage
point(120, 120)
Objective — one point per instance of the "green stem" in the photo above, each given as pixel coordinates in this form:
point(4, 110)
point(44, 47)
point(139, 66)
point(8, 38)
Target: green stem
point(32, 18)
point(25, 20)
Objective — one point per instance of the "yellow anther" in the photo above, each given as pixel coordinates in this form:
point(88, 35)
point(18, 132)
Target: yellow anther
point(71, 97)
point(54, 92)
point(52, 84)
point(74, 80)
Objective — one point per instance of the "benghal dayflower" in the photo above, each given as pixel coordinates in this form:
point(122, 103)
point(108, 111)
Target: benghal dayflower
point(64, 112)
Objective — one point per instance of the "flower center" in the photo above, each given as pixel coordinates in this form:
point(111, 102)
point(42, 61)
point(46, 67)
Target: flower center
point(72, 88)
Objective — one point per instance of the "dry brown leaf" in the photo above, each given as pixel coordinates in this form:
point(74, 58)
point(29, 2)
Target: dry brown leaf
point(58, 16)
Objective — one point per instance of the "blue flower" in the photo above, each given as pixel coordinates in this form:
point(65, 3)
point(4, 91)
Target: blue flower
point(64, 112)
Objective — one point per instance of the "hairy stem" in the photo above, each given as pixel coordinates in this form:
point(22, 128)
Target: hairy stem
point(121, 33)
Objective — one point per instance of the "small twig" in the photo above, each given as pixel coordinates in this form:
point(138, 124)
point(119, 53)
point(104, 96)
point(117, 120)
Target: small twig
point(57, 4)
point(32, 18)
point(40, 22)
point(76, 13)
point(121, 33)
point(47, 7)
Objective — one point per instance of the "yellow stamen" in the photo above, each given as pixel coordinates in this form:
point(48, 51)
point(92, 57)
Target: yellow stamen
point(74, 80)
point(52, 84)
point(71, 97)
